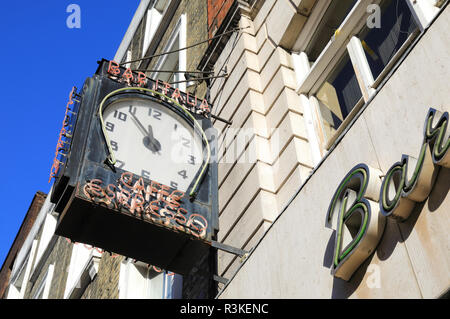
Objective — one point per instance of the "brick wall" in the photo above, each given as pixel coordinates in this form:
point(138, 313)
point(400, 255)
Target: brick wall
point(137, 44)
point(106, 284)
point(217, 10)
point(197, 31)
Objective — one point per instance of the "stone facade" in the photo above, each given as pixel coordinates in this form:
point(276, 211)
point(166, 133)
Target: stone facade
point(258, 175)
point(275, 206)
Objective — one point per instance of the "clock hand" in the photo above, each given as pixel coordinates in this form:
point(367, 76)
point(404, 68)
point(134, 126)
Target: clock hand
point(139, 124)
point(150, 132)
point(151, 141)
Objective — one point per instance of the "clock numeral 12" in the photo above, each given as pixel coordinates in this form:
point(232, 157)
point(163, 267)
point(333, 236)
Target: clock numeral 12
point(154, 113)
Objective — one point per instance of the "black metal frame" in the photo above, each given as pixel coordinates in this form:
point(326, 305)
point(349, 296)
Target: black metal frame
point(81, 220)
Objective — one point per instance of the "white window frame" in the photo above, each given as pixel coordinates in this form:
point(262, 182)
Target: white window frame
point(137, 281)
point(43, 291)
point(180, 33)
point(152, 21)
point(310, 77)
point(18, 286)
point(87, 275)
point(82, 255)
point(425, 10)
point(47, 233)
point(129, 58)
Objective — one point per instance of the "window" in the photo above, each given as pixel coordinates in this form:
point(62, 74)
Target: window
point(345, 58)
point(381, 44)
point(332, 19)
point(83, 259)
point(174, 61)
point(47, 233)
point(20, 277)
point(139, 281)
point(43, 291)
point(154, 15)
point(338, 95)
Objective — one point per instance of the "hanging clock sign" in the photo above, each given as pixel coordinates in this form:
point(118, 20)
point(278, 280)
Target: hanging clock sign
point(138, 179)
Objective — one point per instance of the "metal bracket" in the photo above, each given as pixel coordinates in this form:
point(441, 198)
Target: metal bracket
point(221, 280)
point(229, 249)
point(221, 119)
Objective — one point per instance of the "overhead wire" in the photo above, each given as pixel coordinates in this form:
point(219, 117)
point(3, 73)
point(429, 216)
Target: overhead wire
point(181, 49)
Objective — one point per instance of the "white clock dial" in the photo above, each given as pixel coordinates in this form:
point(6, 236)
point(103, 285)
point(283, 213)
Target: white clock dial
point(152, 141)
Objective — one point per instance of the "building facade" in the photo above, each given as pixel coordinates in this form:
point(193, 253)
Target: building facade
point(332, 132)
point(314, 89)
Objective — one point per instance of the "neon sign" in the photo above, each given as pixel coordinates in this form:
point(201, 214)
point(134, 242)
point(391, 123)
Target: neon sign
point(127, 76)
point(152, 202)
point(363, 201)
point(65, 136)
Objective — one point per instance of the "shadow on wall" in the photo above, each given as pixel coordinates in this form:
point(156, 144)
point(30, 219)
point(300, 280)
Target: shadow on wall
point(341, 288)
point(394, 233)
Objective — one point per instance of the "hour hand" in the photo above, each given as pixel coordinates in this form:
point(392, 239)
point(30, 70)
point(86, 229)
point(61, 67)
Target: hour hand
point(151, 142)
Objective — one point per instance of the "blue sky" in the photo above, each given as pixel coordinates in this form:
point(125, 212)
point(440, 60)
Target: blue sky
point(41, 59)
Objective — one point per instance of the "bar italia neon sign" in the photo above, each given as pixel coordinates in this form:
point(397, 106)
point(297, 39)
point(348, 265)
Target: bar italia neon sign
point(363, 201)
point(139, 79)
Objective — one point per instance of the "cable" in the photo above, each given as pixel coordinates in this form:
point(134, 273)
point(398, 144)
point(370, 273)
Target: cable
point(173, 71)
point(224, 65)
point(181, 49)
point(201, 79)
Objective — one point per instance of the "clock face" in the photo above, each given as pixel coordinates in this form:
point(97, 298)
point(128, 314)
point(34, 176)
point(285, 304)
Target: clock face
point(152, 141)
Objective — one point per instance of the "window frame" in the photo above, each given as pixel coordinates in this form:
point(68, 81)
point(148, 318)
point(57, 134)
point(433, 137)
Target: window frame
point(80, 261)
point(45, 284)
point(48, 231)
point(18, 285)
point(135, 271)
point(180, 33)
point(149, 31)
point(87, 275)
point(312, 76)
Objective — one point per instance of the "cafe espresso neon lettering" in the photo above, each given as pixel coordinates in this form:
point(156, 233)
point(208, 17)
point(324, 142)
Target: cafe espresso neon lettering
point(363, 201)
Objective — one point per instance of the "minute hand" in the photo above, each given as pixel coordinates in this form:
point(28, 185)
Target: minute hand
point(149, 141)
point(139, 124)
